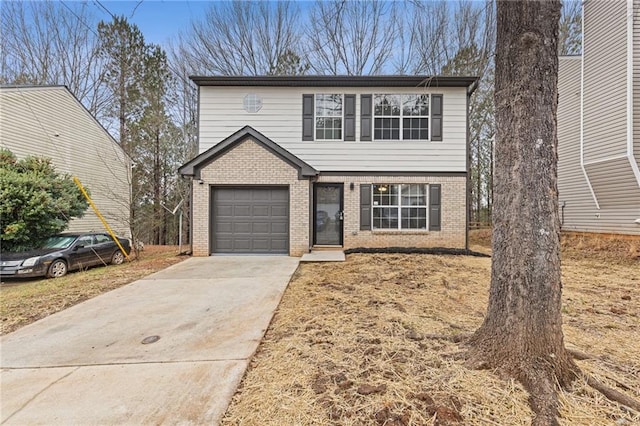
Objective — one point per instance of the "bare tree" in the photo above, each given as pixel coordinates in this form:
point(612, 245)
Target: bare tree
point(427, 29)
point(521, 335)
point(351, 37)
point(570, 42)
point(47, 43)
point(459, 39)
point(183, 112)
point(240, 38)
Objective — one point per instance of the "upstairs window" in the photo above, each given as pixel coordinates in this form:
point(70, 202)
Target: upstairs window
point(401, 117)
point(328, 121)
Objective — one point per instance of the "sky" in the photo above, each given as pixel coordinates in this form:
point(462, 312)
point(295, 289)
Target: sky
point(159, 20)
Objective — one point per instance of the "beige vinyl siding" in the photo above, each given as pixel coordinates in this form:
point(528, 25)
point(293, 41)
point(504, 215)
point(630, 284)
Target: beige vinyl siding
point(50, 122)
point(636, 80)
point(614, 184)
point(605, 89)
point(605, 128)
point(604, 221)
point(605, 79)
point(573, 189)
point(280, 119)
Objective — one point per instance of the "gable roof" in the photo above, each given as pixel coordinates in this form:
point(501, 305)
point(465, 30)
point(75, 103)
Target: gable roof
point(193, 167)
point(337, 81)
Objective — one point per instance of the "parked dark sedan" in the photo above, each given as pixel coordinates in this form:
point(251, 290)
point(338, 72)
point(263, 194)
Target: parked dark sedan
point(63, 253)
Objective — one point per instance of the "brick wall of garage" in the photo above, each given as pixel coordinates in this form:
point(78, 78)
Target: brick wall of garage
point(453, 208)
point(249, 163)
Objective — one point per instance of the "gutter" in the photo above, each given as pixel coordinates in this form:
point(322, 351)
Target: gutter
point(335, 81)
point(473, 87)
point(467, 195)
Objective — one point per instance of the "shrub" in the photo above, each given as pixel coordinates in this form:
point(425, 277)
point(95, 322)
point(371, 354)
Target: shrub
point(35, 201)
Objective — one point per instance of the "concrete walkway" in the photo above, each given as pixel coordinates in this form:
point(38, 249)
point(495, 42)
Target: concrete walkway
point(324, 256)
point(87, 365)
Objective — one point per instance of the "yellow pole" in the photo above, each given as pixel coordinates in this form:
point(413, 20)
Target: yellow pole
point(104, 222)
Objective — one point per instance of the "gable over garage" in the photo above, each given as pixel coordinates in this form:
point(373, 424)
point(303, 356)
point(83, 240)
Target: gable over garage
point(250, 196)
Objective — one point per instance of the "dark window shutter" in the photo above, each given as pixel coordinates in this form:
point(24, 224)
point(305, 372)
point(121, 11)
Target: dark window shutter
point(434, 207)
point(436, 117)
point(365, 207)
point(366, 123)
point(307, 117)
point(349, 117)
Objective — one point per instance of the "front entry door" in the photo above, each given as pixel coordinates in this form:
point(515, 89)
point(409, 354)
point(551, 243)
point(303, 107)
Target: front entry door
point(327, 214)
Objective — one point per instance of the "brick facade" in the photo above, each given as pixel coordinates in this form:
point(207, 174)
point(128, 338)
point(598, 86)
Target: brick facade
point(453, 207)
point(249, 163)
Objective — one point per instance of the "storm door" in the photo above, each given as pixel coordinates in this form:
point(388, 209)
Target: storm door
point(327, 214)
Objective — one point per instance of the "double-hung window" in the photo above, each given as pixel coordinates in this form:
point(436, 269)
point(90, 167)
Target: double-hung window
point(399, 206)
point(328, 117)
point(401, 117)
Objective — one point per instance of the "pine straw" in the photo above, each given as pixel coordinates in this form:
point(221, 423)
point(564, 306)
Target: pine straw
point(612, 248)
point(364, 322)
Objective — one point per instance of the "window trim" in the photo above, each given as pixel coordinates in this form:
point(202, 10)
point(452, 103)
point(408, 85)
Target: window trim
point(400, 206)
point(316, 116)
point(401, 117)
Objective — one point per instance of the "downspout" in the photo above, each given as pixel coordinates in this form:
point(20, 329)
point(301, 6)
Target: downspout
point(311, 215)
point(193, 177)
point(632, 160)
point(470, 91)
point(630, 156)
point(191, 218)
point(584, 170)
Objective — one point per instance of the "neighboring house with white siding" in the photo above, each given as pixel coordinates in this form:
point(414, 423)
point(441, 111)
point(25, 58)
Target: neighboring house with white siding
point(49, 121)
point(287, 164)
point(599, 123)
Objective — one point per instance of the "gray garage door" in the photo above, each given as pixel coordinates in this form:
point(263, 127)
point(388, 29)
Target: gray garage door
point(250, 220)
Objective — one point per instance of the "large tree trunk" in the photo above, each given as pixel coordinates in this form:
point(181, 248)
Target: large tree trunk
point(521, 335)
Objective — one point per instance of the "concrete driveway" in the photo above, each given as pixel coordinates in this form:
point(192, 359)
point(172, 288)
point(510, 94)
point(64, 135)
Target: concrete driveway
point(87, 365)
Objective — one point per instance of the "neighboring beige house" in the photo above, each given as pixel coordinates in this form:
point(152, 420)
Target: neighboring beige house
point(288, 164)
point(49, 121)
point(599, 123)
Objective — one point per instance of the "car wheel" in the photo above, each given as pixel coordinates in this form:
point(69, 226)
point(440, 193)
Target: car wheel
point(57, 269)
point(117, 258)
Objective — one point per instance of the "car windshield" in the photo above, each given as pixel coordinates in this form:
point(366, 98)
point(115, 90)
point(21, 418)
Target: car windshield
point(59, 241)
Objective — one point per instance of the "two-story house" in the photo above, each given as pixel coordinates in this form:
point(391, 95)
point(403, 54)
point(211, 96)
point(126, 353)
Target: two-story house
point(49, 121)
point(599, 122)
point(287, 164)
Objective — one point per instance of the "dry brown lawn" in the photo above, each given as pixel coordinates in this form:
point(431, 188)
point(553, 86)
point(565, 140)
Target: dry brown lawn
point(25, 301)
point(353, 343)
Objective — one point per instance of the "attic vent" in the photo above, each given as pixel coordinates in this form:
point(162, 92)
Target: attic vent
point(252, 103)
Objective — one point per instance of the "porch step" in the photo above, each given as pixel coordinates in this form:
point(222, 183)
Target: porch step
point(324, 256)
